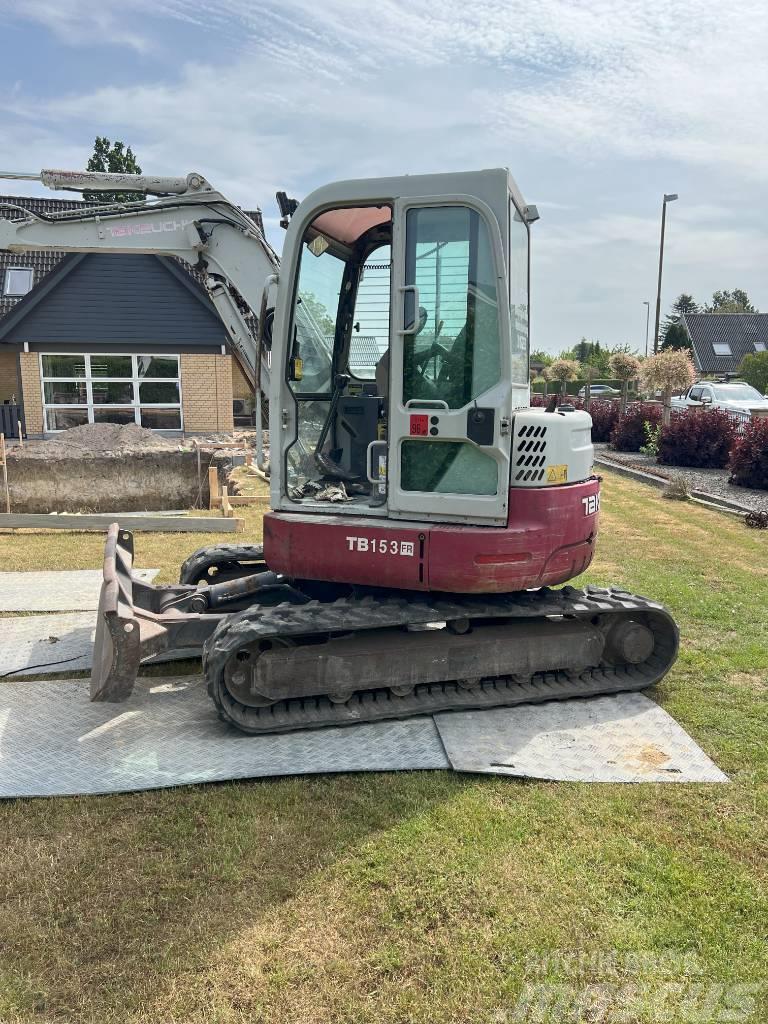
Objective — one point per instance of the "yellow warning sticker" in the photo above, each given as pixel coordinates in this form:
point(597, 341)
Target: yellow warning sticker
point(557, 474)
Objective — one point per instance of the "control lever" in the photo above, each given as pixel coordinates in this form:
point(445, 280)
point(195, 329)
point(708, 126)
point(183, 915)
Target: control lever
point(339, 383)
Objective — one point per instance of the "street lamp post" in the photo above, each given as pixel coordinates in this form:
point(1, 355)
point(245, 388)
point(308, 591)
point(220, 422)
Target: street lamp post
point(647, 320)
point(668, 198)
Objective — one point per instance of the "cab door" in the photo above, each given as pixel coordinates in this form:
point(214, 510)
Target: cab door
point(450, 390)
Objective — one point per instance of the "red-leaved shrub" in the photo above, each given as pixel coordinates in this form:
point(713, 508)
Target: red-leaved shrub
point(749, 456)
point(628, 435)
point(539, 401)
point(604, 416)
point(701, 438)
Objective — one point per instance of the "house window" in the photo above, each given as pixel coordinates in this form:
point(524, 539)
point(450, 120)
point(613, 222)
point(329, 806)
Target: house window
point(107, 388)
point(18, 281)
point(759, 346)
point(722, 348)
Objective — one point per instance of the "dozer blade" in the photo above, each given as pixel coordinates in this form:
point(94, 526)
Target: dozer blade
point(117, 650)
point(137, 621)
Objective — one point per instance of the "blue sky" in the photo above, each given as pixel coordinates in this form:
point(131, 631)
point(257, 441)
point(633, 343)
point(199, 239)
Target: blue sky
point(597, 107)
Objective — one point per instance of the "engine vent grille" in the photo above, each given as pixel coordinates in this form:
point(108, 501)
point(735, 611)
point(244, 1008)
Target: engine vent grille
point(530, 453)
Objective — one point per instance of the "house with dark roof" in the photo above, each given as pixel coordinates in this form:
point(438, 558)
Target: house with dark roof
point(111, 338)
point(721, 340)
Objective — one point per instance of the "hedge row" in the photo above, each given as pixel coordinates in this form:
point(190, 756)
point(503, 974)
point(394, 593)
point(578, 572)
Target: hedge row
point(749, 456)
point(573, 387)
point(629, 433)
point(700, 439)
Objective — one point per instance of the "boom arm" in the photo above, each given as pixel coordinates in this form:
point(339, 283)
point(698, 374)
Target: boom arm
point(189, 220)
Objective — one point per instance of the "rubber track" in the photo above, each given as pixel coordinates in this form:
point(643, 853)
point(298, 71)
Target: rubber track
point(196, 566)
point(392, 610)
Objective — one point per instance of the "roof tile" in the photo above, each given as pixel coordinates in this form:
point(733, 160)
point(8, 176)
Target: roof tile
point(739, 330)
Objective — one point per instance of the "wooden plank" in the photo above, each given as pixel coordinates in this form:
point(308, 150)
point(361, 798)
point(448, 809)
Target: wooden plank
point(257, 500)
point(100, 522)
point(4, 463)
point(213, 487)
point(237, 445)
point(226, 508)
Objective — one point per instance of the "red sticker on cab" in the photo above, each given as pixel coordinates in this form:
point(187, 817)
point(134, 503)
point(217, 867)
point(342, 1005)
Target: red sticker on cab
point(419, 425)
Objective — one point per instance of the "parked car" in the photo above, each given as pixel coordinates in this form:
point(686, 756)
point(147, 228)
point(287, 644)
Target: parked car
point(599, 391)
point(736, 396)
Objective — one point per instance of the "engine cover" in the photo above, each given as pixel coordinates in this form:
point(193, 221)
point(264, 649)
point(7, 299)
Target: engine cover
point(550, 448)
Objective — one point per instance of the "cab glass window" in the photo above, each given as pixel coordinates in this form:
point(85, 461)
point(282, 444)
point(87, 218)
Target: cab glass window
point(369, 342)
point(317, 303)
point(518, 295)
point(452, 351)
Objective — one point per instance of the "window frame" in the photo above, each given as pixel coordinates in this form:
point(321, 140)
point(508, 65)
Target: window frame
point(7, 277)
point(135, 380)
point(347, 347)
point(722, 344)
point(514, 213)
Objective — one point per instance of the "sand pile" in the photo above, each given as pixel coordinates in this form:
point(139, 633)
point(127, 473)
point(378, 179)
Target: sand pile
point(97, 440)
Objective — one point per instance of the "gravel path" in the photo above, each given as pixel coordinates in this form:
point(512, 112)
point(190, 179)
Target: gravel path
point(713, 481)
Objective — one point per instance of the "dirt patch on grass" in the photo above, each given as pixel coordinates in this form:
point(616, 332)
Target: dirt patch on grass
point(754, 681)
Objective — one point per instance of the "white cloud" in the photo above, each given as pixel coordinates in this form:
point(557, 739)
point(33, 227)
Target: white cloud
point(83, 22)
point(599, 106)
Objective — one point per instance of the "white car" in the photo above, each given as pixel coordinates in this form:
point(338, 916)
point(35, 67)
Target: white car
point(736, 397)
point(599, 391)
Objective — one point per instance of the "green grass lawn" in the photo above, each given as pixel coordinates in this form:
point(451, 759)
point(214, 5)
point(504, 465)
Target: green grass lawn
point(425, 897)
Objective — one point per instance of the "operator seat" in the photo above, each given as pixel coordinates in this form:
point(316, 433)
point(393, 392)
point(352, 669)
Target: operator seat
point(382, 367)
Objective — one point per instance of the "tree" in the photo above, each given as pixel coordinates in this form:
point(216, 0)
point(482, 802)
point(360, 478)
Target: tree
point(625, 367)
point(674, 334)
point(115, 159)
point(588, 353)
point(564, 370)
point(754, 370)
point(588, 372)
point(667, 372)
point(540, 356)
point(736, 301)
point(676, 339)
point(319, 313)
point(592, 353)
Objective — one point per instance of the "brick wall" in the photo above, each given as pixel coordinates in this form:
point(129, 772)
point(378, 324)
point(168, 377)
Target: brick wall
point(30, 384)
point(9, 380)
point(241, 387)
point(206, 393)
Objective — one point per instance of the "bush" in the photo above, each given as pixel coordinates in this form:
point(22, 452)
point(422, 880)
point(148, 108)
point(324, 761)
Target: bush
point(604, 416)
point(701, 438)
point(754, 370)
point(628, 435)
point(540, 402)
point(749, 456)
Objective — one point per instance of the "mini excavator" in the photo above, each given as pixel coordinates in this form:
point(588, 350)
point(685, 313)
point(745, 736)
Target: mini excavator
point(425, 520)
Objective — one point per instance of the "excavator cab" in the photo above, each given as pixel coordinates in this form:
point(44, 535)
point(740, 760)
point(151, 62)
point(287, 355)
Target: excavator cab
point(402, 341)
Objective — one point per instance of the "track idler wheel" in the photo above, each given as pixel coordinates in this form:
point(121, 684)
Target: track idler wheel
point(628, 641)
point(237, 672)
